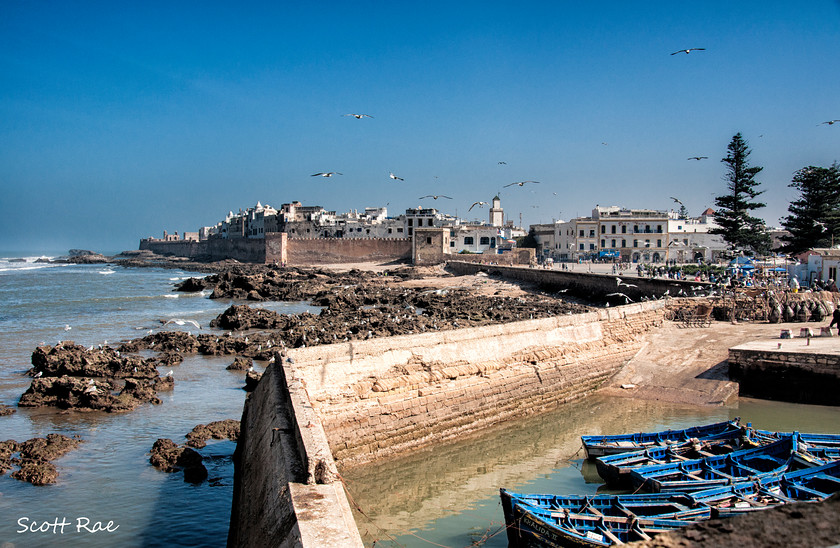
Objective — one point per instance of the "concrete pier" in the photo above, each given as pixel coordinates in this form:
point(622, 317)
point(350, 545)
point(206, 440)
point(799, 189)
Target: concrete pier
point(799, 370)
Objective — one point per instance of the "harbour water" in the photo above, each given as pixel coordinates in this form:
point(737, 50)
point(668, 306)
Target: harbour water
point(446, 496)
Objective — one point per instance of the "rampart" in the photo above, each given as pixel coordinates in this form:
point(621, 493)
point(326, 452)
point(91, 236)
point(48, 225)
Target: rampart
point(306, 251)
point(380, 397)
point(286, 488)
point(586, 284)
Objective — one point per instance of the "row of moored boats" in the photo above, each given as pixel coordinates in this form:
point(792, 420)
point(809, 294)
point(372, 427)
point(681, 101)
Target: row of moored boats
point(678, 477)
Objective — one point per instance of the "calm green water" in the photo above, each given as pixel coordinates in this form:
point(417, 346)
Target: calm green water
point(449, 496)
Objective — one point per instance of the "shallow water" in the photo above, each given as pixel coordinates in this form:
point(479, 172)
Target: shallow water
point(108, 477)
point(449, 495)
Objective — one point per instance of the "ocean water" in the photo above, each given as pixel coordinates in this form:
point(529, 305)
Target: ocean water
point(108, 478)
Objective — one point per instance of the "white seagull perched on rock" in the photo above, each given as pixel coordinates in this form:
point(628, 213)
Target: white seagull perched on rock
point(392, 176)
point(326, 174)
point(479, 204)
point(434, 196)
point(359, 116)
point(689, 50)
point(523, 183)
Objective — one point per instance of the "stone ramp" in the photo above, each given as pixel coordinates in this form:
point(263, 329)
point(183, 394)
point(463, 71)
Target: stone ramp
point(689, 365)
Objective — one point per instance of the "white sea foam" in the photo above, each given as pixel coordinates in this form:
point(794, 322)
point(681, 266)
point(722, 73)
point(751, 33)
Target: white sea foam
point(169, 296)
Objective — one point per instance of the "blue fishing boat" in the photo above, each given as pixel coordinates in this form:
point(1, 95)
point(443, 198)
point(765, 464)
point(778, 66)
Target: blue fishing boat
point(806, 485)
point(615, 469)
point(538, 526)
point(827, 441)
point(597, 446)
point(708, 472)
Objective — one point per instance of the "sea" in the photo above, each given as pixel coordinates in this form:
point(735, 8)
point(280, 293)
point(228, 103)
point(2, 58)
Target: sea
point(107, 494)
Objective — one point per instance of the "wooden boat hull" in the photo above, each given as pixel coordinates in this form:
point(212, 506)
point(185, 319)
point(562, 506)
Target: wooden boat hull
point(598, 446)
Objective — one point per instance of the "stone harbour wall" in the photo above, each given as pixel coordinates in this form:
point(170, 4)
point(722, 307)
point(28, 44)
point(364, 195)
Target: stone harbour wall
point(287, 492)
point(799, 377)
point(385, 396)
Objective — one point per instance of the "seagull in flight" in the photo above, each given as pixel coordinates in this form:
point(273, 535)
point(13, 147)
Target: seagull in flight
point(689, 50)
point(359, 116)
point(626, 298)
point(178, 321)
point(677, 200)
point(392, 176)
point(522, 183)
point(502, 163)
point(699, 158)
point(326, 174)
point(829, 122)
point(435, 197)
point(479, 204)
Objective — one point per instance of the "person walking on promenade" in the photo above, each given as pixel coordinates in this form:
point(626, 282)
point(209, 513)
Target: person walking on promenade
point(835, 319)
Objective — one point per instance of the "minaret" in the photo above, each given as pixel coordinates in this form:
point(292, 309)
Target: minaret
point(497, 214)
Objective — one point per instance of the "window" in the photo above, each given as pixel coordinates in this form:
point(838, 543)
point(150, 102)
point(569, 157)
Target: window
point(581, 247)
point(411, 222)
point(428, 239)
point(603, 229)
point(581, 233)
point(623, 243)
point(613, 243)
point(832, 273)
point(635, 243)
point(431, 222)
point(603, 243)
point(612, 229)
point(484, 240)
point(452, 243)
point(685, 241)
point(399, 231)
point(624, 229)
point(409, 231)
point(390, 231)
point(591, 247)
point(591, 232)
point(468, 240)
point(658, 243)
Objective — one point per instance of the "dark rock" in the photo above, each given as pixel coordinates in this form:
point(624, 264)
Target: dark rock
point(74, 360)
point(49, 448)
point(252, 378)
point(167, 456)
point(241, 364)
point(36, 472)
point(218, 430)
point(191, 285)
point(6, 410)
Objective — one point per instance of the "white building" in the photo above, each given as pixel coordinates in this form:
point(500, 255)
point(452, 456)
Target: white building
point(690, 241)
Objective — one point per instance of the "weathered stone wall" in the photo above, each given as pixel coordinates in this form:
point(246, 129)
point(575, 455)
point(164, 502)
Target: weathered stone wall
point(586, 284)
point(305, 251)
point(286, 488)
point(384, 396)
point(242, 249)
point(799, 377)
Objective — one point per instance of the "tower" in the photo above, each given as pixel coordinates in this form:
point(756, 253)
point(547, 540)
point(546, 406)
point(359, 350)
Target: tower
point(497, 214)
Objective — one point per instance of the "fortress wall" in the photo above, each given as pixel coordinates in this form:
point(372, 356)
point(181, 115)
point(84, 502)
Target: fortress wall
point(305, 251)
point(287, 492)
point(385, 396)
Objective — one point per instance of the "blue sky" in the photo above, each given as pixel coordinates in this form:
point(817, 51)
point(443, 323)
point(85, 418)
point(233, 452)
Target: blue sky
point(120, 120)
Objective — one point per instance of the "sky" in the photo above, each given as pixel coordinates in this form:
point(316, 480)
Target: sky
point(119, 120)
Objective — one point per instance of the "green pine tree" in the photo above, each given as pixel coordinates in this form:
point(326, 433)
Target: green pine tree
point(814, 219)
point(739, 228)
